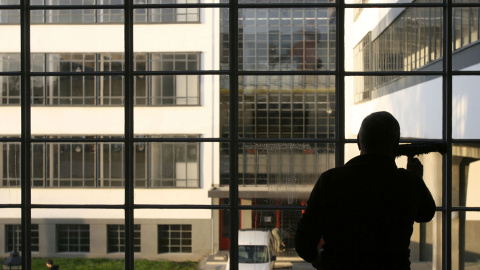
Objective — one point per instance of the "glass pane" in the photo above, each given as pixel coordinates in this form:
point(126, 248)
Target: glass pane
point(465, 105)
point(172, 90)
point(281, 172)
point(10, 223)
point(189, 98)
point(72, 36)
point(287, 39)
point(11, 17)
point(426, 244)
point(466, 172)
point(174, 172)
point(432, 172)
point(179, 46)
point(286, 107)
point(176, 235)
point(465, 36)
point(77, 173)
point(76, 232)
point(387, 1)
point(465, 226)
point(415, 101)
point(10, 85)
point(11, 173)
point(410, 39)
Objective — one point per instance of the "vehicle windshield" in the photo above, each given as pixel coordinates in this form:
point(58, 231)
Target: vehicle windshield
point(252, 254)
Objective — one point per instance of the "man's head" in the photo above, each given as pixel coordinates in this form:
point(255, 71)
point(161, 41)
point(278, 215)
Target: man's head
point(379, 134)
point(49, 263)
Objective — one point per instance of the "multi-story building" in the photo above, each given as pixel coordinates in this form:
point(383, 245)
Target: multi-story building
point(78, 124)
point(407, 44)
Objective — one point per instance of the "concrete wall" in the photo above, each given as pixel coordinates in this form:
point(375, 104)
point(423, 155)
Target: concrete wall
point(201, 238)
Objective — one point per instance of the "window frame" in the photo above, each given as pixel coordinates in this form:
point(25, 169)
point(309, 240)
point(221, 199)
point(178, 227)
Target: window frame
point(15, 231)
point(63, 232)
point(26, 139)
point(174, 233)
point(117, 231)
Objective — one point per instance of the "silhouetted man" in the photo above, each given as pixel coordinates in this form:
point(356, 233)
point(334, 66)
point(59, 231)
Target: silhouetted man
point(364, 211)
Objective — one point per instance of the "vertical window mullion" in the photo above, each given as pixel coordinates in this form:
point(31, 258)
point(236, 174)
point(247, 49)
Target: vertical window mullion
point(129, 135)
point(233, 132)
point(25, 133)
point(448, 20)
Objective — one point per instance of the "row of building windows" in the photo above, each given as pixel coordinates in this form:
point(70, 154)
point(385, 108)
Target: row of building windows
point(168, 165)
point(161, 90)
point(282, 39)
point(411, 42)
point(172, 238)
point(90, 16)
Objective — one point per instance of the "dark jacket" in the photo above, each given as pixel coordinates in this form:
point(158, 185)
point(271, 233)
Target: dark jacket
point(364, 211)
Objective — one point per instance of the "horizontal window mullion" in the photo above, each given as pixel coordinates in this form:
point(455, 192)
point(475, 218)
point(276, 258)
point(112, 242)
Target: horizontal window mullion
point(291, 72)
point(57, 7)
point(189, 5)
point(394, 73)
point(121, 206)
point(79, 73)
point(135, 6)
point(92, 140)
point(465, 72)
point(182, 72)
point(123, 73)
point(465, 141)
point(286, 140)
point(465, 208)
point(10, 73)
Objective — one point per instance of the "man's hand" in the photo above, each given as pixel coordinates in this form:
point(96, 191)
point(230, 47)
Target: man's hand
point(414, 165)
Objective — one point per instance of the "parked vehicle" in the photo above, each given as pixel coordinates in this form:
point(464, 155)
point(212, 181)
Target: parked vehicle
point(255, 250)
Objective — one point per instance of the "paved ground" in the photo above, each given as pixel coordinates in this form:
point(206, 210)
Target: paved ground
point(290, 262)
point(219, 262)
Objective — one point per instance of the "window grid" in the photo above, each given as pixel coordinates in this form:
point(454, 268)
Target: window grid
point(13, 237)
point(103, 16)
point(158, 90)
point(73, 237)
point(446, 120)
point(116, 238)
point(79, 165)
point(174, 239)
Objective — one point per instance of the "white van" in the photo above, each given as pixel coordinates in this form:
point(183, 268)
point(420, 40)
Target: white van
point(255, 250)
